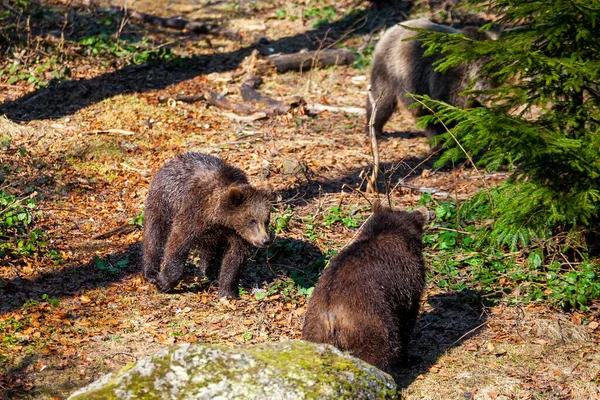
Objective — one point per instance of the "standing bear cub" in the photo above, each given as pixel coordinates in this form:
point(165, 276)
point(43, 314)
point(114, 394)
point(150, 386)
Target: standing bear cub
point(367, 300)
point(400, 67)
point(199, 200)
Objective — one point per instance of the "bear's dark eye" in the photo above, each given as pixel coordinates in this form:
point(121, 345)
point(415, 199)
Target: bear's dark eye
point(252, 222)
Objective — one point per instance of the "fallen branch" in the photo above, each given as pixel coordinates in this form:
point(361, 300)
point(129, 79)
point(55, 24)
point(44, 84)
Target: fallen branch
point(431, 191)
point(104, 131)
point(182, 24)
point(306, 60)
point(250, 94)
point(221, 101)
point(316, 107)
point(214, 99)
point(121, 230)
point(246, 118)
point(182, 97)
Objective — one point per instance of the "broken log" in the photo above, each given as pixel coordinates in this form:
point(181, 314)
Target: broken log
point(220, 101)
point(214, 99)
point(306, 60)
point(183, 98)
point(250, 94)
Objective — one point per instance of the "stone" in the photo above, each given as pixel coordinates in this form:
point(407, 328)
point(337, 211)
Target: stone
point(285, 370)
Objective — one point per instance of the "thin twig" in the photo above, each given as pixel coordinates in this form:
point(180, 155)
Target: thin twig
point(122, 353)
point(316, 107)
point(452, 230)
point(469, 332)
point(359, 192)
point(372, 183)
point(16, 202)
point(10, 8)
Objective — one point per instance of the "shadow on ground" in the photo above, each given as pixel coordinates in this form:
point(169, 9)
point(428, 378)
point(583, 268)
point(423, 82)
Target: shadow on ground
point(455, 318)
point(66, 282)
point(300, 260)
point(392, 171)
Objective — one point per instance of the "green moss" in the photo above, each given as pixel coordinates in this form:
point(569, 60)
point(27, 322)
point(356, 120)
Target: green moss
point(308, 370)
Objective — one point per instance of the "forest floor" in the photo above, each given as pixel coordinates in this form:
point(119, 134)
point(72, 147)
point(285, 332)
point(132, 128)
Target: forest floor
point(87, 146)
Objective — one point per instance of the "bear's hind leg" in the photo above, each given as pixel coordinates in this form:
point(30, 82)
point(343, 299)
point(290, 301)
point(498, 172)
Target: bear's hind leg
point(177, 250)
point(156, 231)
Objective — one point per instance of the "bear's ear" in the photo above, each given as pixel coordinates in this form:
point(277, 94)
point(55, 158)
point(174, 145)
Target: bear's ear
point(419, 216)
point(235, 196)
point(267, 191)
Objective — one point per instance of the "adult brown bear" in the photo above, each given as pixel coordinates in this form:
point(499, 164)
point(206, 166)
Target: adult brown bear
point(199, 200)
point(367, 300)
point(400, 67)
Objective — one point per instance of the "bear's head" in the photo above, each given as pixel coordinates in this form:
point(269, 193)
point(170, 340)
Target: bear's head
point(247, 210)
point(407, 225)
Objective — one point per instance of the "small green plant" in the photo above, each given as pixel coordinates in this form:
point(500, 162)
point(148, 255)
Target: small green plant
point(319, 15)
point(248, 336)
point(310, 225)
point(282, 221)
point(50, 300)
point(139, 220)
point(38, 74)
point(105, 45)
point(336, 214)
point(30, 303)
point(108, 268)
point(17, 216)
point(280, 13)
point(364, 57)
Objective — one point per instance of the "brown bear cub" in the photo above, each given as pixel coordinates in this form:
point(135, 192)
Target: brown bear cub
point(198, 200)
point(367, 300)
point(400, 67)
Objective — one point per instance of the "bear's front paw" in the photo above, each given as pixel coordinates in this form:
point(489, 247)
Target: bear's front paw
point(152, 278)
point(228, 293)
point(163, 285)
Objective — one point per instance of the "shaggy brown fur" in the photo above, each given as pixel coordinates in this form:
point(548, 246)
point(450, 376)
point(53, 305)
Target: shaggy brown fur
point(197, 199)
point(367, 300)
point(399, 67)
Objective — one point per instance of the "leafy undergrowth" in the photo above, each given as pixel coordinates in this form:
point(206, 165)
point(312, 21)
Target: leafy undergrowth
point(461, 257)
point(88, 144)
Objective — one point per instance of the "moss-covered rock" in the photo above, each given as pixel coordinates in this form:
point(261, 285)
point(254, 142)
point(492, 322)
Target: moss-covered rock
point(287, 370)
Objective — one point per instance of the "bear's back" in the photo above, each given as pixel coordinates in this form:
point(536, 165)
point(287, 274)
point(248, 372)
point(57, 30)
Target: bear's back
point(197, 173)
point(404, 59)
point(385, 261)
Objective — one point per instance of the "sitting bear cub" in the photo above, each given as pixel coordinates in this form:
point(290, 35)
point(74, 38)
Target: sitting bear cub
point(367, 300)
point(199, 200)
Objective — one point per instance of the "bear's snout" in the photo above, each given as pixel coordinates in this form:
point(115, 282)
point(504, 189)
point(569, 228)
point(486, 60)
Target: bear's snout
point(268, 240)
point(263, 242)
